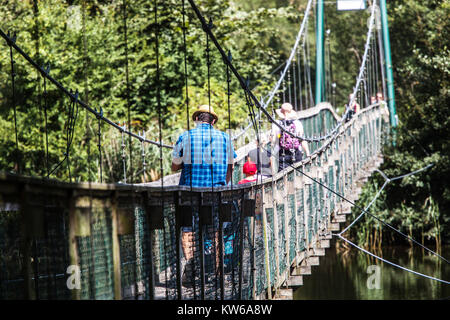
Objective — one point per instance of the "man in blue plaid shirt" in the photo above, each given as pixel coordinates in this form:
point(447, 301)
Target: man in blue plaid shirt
point(204, 154)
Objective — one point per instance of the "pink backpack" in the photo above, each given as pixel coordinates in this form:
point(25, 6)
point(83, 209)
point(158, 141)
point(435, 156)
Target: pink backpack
point(288, 142)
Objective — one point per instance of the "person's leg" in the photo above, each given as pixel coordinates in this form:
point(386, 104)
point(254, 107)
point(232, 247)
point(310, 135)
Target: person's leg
point(186, 243)
point(285, 162)
point(281, 161)
point(187, 237)
point(298, 155)
point(217, 252)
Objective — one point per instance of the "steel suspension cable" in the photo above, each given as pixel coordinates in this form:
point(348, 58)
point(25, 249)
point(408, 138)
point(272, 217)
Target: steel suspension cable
point(45, 128)
point(308, 72)
point(229, 107)
point(127, 79)
point(158, 94)
point(86, 89)
point(308, 95)
point(391, 263)
point(294, 85)
point(208, 67)
point(364, 60)
point(158, 101)
point(376, 63)
point(99, 144)
point(71, 121)
point(13, 100)
point(329, 67)
point(250, 124)
point(289, 84)
point(300, 91)
point(38, 76)
point(70, 132)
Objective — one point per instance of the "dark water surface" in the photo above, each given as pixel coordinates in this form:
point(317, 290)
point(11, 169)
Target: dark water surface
point(354, 275)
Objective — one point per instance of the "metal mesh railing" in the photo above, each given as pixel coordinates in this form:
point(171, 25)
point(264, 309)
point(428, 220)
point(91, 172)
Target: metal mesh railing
point(97, 241)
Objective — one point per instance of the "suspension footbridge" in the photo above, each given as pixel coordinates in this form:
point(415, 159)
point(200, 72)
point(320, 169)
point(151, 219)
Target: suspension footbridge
point(122, 240)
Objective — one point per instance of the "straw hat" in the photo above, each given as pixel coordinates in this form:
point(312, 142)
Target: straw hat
point(204, 108)
point(286, 112)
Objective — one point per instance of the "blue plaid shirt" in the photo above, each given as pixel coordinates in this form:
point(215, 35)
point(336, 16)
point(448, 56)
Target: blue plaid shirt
point(197, 149)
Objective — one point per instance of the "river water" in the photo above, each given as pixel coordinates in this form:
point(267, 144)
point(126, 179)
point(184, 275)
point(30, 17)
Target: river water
point(353, 275)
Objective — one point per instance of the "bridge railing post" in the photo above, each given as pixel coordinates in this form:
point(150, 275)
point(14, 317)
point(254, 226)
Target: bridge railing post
point(73, 255)
point(307, 197)
point(267, 203)
point(115, 217)
point(276, 200)
point(225, 215)
point(241, 245)
point(178, 223)
point(297, 184)
point(286, 226)
point(155, 221)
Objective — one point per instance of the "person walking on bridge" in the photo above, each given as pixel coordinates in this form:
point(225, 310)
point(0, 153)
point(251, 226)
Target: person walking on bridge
point(288, 148)
point(261, 156)
point(205, 156)
point(353, 108)
point(249, 169)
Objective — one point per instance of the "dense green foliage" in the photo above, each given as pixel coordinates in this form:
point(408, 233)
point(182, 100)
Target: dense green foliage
point(419, 205)
point(84, 43)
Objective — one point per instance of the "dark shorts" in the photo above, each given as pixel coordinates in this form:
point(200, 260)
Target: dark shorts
point(287, 158)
